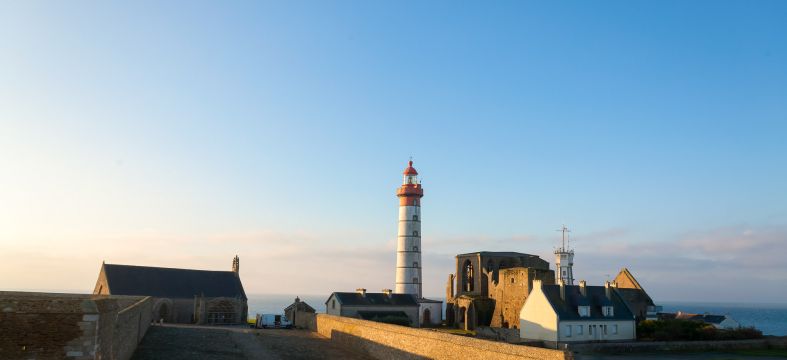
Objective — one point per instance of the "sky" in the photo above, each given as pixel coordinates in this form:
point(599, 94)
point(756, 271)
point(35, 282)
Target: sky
point(181, 133)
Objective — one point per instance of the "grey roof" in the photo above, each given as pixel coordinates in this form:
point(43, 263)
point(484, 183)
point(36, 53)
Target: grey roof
point(498, 253)
point(374, 299)
point(595, 298)
point(635, 296)
point(171, 283)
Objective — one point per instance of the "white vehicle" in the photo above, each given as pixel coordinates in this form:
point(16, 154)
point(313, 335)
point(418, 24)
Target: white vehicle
point(273, 321)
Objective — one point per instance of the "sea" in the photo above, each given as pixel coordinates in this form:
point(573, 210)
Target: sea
point(771, 319)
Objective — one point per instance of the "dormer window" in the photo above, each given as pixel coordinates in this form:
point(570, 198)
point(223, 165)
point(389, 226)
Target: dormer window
point(584, 311)
point(608, 310)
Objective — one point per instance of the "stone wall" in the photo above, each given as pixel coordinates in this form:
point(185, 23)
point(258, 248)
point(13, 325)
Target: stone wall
point(655, 346)
point(71, 326)
point(384, 341)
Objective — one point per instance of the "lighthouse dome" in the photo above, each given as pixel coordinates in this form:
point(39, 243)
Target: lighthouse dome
point(410, 169)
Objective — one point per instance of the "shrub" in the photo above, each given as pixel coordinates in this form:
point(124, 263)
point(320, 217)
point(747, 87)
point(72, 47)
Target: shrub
point(677, 329)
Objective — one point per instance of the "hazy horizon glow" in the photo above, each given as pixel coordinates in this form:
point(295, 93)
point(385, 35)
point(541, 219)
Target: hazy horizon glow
point(180, 134)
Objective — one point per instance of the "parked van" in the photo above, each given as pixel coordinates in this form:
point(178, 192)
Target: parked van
point(273, 321)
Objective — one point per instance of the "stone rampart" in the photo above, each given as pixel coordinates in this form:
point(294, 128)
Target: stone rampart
point(71, 326)
point(655, 346)
point(385, 341)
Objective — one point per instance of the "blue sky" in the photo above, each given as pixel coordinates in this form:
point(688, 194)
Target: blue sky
point(181, 133)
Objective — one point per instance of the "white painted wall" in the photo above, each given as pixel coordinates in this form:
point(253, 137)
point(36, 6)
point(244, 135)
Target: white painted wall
point(408, 252)
point(625, 330)
point(435, 312)
point(537, 319)
point(333, 307)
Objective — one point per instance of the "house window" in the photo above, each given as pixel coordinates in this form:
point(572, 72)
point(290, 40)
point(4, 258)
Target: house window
point(590, 330)
point(415, 264)
point(579, 329)
point(604, 328)
point(512, 280)
point(567, 330)
point(415, 233)
point(614, 329)
point(584, 311)
point(415, 217)
point(608, 310)
point(333, 304)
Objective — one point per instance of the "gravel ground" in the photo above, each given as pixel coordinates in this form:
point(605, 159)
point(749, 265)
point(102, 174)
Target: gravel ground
point(204, 342)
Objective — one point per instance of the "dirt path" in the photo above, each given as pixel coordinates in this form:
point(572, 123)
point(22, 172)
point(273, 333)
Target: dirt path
point(231, 343)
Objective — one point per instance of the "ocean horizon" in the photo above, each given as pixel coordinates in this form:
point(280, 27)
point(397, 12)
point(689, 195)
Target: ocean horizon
point(770, 318)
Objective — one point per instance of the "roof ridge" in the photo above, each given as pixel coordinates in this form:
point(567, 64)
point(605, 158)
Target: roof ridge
point(166, 268)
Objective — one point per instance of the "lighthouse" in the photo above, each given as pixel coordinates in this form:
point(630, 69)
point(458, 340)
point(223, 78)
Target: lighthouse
point(408, 248)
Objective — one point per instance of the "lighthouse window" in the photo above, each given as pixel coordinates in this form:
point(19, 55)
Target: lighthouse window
point(415, 217)
point(415, 248)
point(415, 233)
point(415, 280)
point(415, 202)
point(415, 263)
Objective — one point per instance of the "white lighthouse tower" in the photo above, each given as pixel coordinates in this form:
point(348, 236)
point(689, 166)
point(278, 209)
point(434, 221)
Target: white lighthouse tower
point(564, 260)
point(408, 249)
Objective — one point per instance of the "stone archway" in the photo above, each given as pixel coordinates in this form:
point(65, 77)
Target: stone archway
point(163, 311)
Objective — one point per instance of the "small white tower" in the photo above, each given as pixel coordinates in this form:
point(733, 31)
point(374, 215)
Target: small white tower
point(564, 260)
point(408, 249)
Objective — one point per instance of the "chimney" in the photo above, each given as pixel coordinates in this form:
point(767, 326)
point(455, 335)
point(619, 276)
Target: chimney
point(582, 288)
point(608, 289)
point(361, 291)
point(387, 292)
point(562, 289)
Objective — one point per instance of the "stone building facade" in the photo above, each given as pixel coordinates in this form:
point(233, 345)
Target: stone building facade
point(489, 288)
point(180, 295)
point(385, 307)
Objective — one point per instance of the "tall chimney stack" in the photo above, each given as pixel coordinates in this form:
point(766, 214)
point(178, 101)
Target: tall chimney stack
point(387, 292)
point(608, 289)
point(562, 289)
point(361, 291)
point(582, 288)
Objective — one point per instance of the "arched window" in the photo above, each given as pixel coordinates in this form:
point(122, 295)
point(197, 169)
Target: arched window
point(415, 233)
point(468, 282)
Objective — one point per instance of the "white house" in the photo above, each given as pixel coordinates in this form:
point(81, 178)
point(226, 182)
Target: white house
point(384, 307)
point(570, 313)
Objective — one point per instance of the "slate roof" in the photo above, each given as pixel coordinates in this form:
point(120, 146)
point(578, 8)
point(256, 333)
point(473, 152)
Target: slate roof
point(595, 298)
point(499, 253)
point(635, 296)
point(171, 283)
point(708, 318)
point(374, 299)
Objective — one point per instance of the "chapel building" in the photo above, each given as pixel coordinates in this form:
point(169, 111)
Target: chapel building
point(180, 295)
